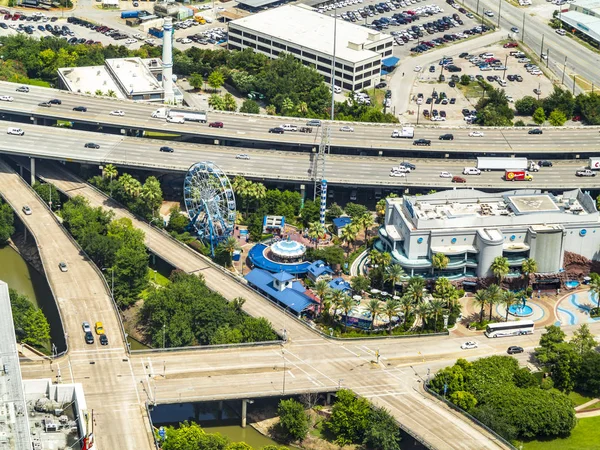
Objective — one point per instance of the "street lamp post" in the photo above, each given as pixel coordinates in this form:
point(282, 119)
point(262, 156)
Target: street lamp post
point(499, 11)
point(418, 112)
point(164, 334)
point(505, 67)
point(562, 81)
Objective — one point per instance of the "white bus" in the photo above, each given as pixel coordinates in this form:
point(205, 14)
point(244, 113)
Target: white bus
point(514, 328)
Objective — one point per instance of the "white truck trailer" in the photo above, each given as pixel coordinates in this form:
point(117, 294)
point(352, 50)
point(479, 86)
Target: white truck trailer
point(501, 163)
point(405, 132)
point(595, 163)
point(188, 116)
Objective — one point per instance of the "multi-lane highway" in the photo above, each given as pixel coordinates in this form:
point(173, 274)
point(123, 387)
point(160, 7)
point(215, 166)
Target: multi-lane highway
point(252, 130)
point(68, 145)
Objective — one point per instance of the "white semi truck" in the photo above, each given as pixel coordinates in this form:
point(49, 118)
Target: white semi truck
point(188, 116)
point(405, 132)
point(500, 163)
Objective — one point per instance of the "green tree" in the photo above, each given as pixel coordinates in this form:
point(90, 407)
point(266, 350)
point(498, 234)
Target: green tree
point(7, 219)
point(47, 193)
point(196, 80)
point(366, 221)
point(355, 210)
point(500, 268)
point(539, 116)
point(528, 267)
point(152, 195)
point(509, 298)
point(310, 212)
point(588, 376)
point(394, 273)
point(445, 291)
point(216, 80)
point(494, 297)
point(523, 378)
point(374, 308)
point(557, 118)
point(464, 400)
point(439, 261)
point(594, 286)
point(31, 326)
point(229, 102)
point(583, 340)
point(334, 211)
point(481, 300)
point(360, 284)
point(216, 102)
point(383, 432)
point(436, 307)
point(349, 418)
point(346, 305)
point(588, 105)
point(423, 311)
point(293, 420)
point(271, 110)
point(348, 235)
point(110, 171)
point(250, 107)
point(561, 100)
point(287, 105)
point(465, 80)
point(316, 231)
point(257, 329)
point(230, 245)
point(131, 274)
point(546, 353)
point(131, 186)
point(190, 436)
point(527, 105)
point(391, 309)
point(177, 221)
point(415, 288)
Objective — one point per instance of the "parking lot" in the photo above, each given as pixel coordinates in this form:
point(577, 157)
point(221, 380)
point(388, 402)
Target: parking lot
point(459, 97)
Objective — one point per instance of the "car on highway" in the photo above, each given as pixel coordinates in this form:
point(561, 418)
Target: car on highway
point(289, 127)
point(276, 130)
point(585, 173)
point(6, 98)
point(99, 328)
point(27, 210)
point(80, 109)
point(313, 123)
point(476, 134)
point(535, 131)
point(216, 125)
point(445, 174)
point(16, 131)
point(396, 173)
point(175, 119)
point(471, 171)
point(458, 180)
point(103, 339)
point(91, 145)
point(117, 112)
point(514, 349)
point(63, 266)
point(89, 337)
point(447, 137)
point(469, 345)
point(545, 163)
point(23, 89)
point(514, 29)
point(55, 101)
point(45, 104)
point(242, 156)
point(166, 149)
point(347, 129)
point(422, 142)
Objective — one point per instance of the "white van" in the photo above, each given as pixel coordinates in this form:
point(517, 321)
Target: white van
point(501, 82)
point(17, 131)
point(471, 171)
point(337, 89)
point(175, 119)
point(289, 127)
point(561, 32)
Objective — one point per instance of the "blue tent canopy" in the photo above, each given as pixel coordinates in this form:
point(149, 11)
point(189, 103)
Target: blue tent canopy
point(390, 62)
point(384, 72)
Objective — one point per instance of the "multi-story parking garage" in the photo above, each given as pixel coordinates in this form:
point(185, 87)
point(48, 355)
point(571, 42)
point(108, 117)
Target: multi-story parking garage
point(308, 36)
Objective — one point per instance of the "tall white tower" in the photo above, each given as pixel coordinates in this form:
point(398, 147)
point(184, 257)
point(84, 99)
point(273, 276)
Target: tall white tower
point(167, 58)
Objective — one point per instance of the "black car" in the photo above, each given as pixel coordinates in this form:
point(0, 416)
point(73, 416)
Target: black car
point(55, 101)
point(103, 339)
point(91, 145)
point(447, 137)
point(463, 55)
point(380, 85)
point(80, 108)
point(535, 131)
point(432, 69)
point(89, 337)
point(514, 349)
point(3, 25)
point(276, 130)
point(452, 84)
point(545, 163)
point(408, 165)
point(422, 142)
point(167, 149)
point(466, 112)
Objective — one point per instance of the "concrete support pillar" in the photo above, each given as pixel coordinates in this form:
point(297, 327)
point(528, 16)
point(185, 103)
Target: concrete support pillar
point(21, 171)
point(220, 409)
point(244, 407)
point(34, 120)
point(328, 399)
point(32, 169)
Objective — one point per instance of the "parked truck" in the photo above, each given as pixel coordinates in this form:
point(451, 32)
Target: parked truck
point(198, 18)
point(501, 163)
point(156, 32)
point(405, 132)
point(188, 116)
point(595, 163)
point(517, 175)
point(130, 14)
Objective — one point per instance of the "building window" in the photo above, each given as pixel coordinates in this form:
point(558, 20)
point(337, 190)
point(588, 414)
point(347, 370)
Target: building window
point(348, 68)
point(387, 53)
point(235, 31)
point(294, 50)
point(323, 69)
point(380, 47)
point(360, 68)
point(249, 44)
point(347, 76)
point(264, 41)
point(368, 66)
point(358, 86)
point(249, 36)
point(347, 86)
point(338, 74)
point(278, 45)
point(264, 49)
point(324, 60)
point(367, 83)
point(388, 44)
point(375, 72)
point(231, 47)
point(309, 55)
point(234, 39)
point(359, 76)
point(275, 52)
point(339, 65)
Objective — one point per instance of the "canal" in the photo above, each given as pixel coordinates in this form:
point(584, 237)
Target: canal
point(23, 278)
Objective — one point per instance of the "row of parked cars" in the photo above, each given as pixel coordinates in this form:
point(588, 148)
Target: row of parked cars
point(212, 36)
point(449, 37)
point(107, 31)
point(405, 17)
point(35, 17)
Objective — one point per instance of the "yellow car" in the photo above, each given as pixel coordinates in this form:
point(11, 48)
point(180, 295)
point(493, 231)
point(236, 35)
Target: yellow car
point(99, 328)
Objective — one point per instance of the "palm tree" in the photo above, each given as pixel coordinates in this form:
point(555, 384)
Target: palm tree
point(315, 231)
point(109, 171)
point(287, 105)
point(229, 102)
point(366, 221)
point(111, 93)
point(528, 267)
point(152, 193)
point(98, 92)
point(337, 297)
point(595, 287)
point(509, 298)
point(415, 289)
point(302, 109)
point(259, 191)
point(243, 188)
point(216, 102)
point(439, 261)
point(494, 296)
point(436, 307)
point(445, 291)
point(481, 299)
point(322, 290)
point(374, 308)
point(422, 311)
point(394, 273)
point(406, 305)
point(237, 303)
point(390, 310)
point(230, 245)
point(348, 236)
point(500, 267)
point(131, 186)
point(346, 305)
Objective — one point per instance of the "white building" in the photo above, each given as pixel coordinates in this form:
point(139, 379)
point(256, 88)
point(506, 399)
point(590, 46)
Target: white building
point(583, 18)
point(472, 228)
point(308, 35)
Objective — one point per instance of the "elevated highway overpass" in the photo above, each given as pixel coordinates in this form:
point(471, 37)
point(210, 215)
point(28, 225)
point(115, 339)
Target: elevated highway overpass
point(68, 145)
point(251, 131)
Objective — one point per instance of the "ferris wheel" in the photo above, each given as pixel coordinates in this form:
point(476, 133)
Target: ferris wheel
point(210, 202)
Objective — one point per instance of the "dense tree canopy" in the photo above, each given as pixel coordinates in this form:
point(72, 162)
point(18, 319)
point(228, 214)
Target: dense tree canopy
point(31, 326)
point(7, 219)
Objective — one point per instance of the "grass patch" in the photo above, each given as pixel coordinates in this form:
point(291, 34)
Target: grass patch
point(471, 90)
point(585, 435)
point(157, 278)
point(160, 135)
point(377, 97)
point(579, 399)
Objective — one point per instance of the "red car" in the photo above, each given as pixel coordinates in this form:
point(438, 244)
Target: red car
point(216, 124)
point(7, 16)
point(458, 180)
point(15, 17)
point(511, 45)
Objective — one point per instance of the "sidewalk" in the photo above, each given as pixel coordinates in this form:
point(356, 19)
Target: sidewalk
point(589, 413)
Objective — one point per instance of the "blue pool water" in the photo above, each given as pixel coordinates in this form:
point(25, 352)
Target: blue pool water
point(520, 310)
point(571, 284)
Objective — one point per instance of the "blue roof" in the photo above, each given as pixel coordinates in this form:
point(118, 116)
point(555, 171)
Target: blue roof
point(258, 259)
point(390, 62)
point(384, 72)
point(318, 268)
point(341, 222)
point(293, 298)
point(283, 276)
point(339, 284)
